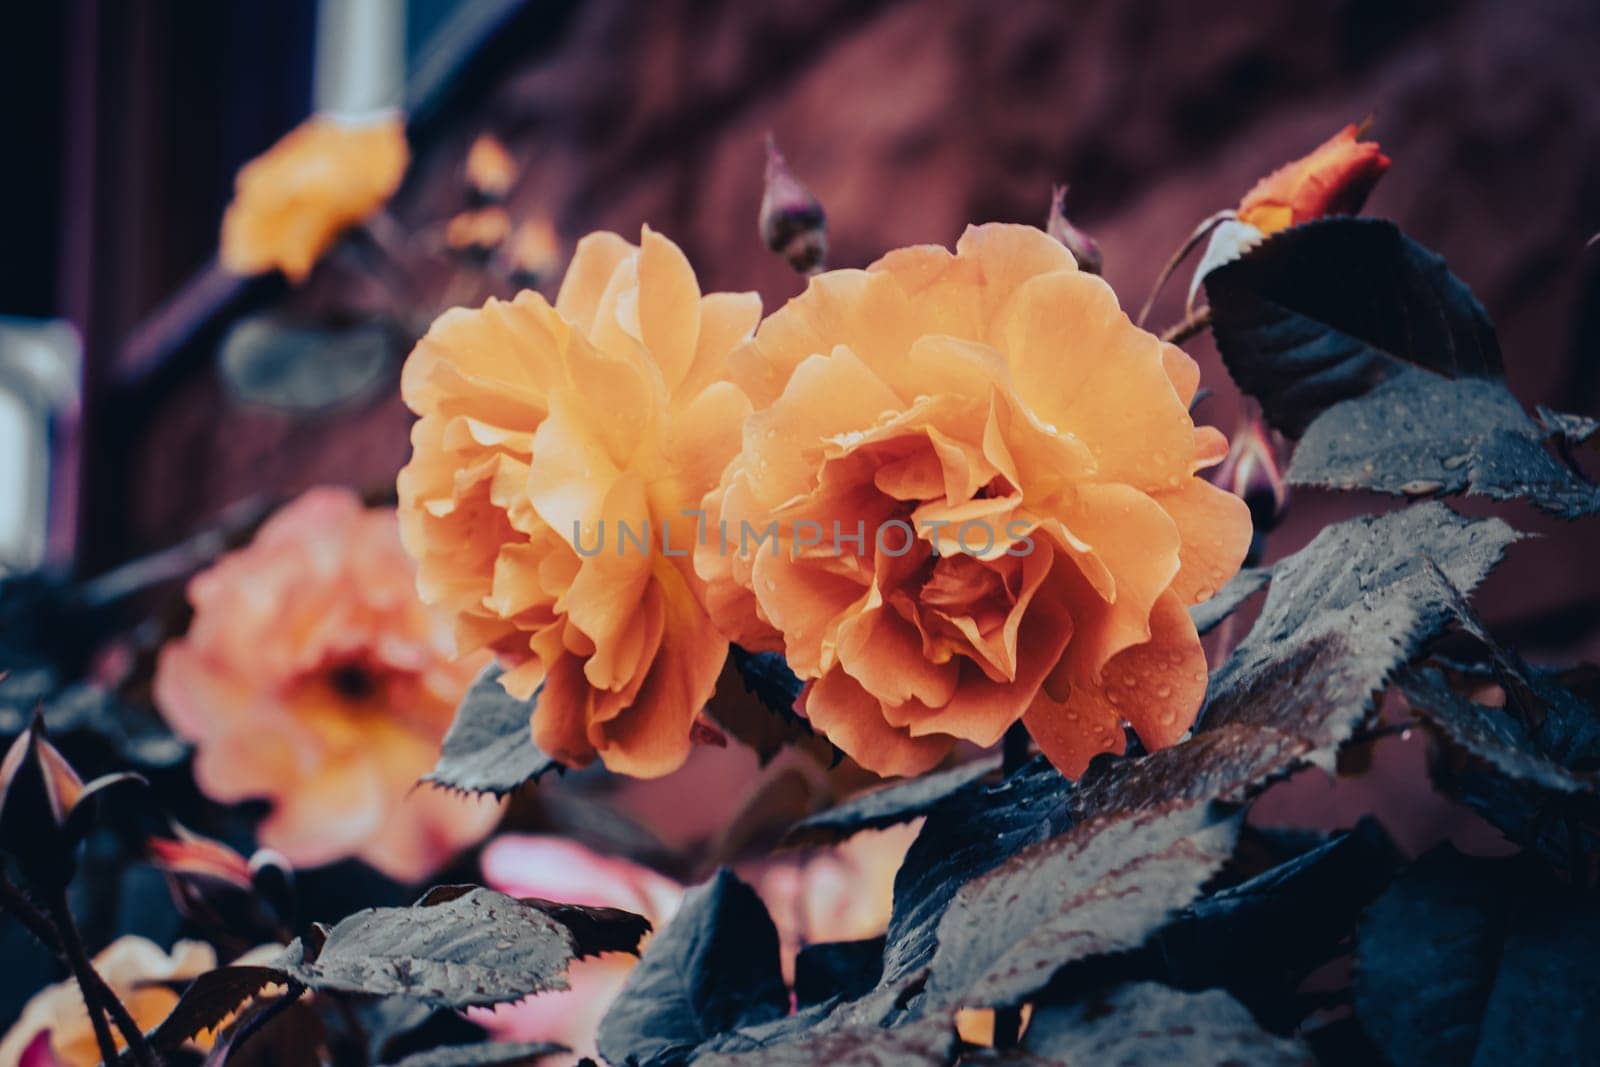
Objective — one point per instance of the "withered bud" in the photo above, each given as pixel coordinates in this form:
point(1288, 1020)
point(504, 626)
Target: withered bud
point(477, 233)
point(490, 169)
point(792, 221)
point(534, 252)
point(1253, 473)
point(1083, 247)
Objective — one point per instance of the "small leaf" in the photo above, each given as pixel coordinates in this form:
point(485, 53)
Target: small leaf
point(1149, 1025)
point(460, 947)
point(1356, 604)
point(482, 1054)
point(209, 1000)
point(890, 805)
point(930, 1042)
point(754, 701)
point(489, 747)
point(1104, 886)
point(1419, 434)
point(1208, 614)
point(712, 969)
point(1324, 311)
point(837, 970)
point(1259, 939)
point(1478, 962)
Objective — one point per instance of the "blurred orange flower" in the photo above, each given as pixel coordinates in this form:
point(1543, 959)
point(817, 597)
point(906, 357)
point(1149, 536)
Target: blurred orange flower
point(137, 970)
point(292, 202)
point(999, 471)
point(618, 391)
point(1335, 179)
point(490, 169)
point(312, 677)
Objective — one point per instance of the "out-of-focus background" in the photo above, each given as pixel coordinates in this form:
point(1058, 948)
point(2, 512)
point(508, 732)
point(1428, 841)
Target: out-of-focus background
point(124, 124)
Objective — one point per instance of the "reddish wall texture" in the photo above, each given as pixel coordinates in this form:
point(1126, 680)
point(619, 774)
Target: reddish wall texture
point(910, 119)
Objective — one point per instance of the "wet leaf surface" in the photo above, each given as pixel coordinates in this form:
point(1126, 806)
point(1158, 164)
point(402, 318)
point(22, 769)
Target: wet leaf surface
point(890, 805)
point(1104, 886)
point(461, 946)
point(1419, 434)
point(1342, 615)
point(928, 1042)
point(483, 1054)
point(1149, 1025)
point(489, 747)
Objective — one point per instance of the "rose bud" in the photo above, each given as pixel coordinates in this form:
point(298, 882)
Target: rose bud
point(490, 169)
point(475, 234)
point(534, 252)
point(45, 808)
point(1084, 248)
point(1253, 474)
point(215, 886)
point(1335, 179)
point(792, 221)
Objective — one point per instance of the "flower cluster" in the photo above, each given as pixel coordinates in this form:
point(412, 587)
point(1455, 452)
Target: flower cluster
point(1006, 463)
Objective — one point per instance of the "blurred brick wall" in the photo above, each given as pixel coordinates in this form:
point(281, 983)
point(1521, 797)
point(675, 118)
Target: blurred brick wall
point(911, 119)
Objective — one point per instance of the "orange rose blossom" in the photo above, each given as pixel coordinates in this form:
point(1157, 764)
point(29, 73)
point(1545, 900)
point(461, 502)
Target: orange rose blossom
point(545, 429)
point(1009, 467)
point(313, 677)
point(971, 481)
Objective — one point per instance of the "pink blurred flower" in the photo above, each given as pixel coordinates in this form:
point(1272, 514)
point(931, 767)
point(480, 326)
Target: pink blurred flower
point(314, 678)
point(837, 894)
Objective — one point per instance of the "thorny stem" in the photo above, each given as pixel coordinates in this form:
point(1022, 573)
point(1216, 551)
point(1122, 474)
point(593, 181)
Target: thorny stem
point(38, 924)
point(92, 987)
point(1195, 322)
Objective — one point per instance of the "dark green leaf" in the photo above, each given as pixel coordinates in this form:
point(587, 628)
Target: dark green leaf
point(1103, 886)
point(974, 831)
point(1356, 604)
point(929, 1042)
point(837, 970)
point(1479, 962)
point(1577, 429)
point(1419, 434)
point(489, 747)
point(754, 702)
point(890, 805)
point(483, 1054)
point(713, 969)
point(460, 947)
point(1325, 311)
point(1150, 1025)
point(1260, 938)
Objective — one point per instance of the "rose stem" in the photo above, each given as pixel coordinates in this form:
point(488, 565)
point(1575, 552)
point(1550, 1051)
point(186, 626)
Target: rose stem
point(97, 996)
